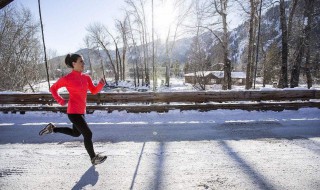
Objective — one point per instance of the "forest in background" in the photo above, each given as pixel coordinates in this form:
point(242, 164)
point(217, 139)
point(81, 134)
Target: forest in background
point(286, 49)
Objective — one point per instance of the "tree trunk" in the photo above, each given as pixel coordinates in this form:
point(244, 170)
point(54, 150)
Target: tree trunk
point(283, 80)
point(123, 30)
point(295, 72)
point(249, 74)
point(111, 62)
point(303, 48)
point(227, 63)
point(124, 51)
point(309, 14)
point(290, 19)
point(135, 71)
point(168, 63)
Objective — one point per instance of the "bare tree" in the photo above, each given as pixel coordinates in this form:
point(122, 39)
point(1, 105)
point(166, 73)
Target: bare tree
point(197, 57)
point(251, 45)
point(304, 47)
point(198, 63)
point(211, 9)
point(283, 80)
point(173, 34)
point(221, 8)
point(138, 11)
point(99, 35)
point(309, 14)
point(123, 29)
point(88, 45)
point(134, 52)
point(271, 64)
point(118, 61)
point(20, 49)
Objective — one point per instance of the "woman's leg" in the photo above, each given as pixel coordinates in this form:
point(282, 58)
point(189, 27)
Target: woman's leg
point(68, 131)
point(81, 125)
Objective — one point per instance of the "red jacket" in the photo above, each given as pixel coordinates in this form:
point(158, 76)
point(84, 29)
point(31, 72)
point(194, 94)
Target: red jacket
point(77, 85)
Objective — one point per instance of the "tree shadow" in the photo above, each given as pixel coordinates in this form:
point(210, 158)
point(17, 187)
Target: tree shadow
point(90, 177)
point(137, 167)
point(158, 172)
point(256, 177)
point(156, 184)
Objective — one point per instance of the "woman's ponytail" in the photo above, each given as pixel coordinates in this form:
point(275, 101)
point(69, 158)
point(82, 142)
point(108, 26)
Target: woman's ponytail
point(68, 61)
point(70, 58)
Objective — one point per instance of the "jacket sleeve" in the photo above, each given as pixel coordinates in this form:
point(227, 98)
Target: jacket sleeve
point(54, 91)
point(94, 89)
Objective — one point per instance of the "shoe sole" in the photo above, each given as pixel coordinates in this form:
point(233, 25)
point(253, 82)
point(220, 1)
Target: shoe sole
point(105, 158)
point(42, 132)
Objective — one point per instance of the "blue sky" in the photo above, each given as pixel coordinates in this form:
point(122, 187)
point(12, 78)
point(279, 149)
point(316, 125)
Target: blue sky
point(65, 21)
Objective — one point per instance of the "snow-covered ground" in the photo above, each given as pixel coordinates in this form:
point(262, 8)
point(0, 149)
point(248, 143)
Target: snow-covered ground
point(221, 149)
point(176, 84)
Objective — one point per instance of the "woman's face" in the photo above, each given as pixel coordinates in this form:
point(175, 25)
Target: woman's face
point(79, 64)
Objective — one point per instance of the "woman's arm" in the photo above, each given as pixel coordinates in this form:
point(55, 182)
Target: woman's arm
point(95, 89)
point(54, 91)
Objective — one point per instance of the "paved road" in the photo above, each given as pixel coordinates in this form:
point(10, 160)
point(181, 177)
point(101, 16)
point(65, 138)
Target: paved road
point(237, 155)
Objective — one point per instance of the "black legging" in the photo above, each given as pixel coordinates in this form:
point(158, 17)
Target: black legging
point(79, 127)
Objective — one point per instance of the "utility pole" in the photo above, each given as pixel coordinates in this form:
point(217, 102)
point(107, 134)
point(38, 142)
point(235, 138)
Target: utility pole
point(153, 69)
point(44, 46)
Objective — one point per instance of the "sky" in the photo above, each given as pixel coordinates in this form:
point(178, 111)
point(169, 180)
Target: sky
point(65, 21)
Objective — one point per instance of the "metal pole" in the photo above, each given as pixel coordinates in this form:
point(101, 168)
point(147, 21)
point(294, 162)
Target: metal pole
point(44, 46)
point(153, 69)
point(258, 43)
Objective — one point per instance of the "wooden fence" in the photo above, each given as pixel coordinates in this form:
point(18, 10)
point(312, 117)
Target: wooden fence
point(277, 100)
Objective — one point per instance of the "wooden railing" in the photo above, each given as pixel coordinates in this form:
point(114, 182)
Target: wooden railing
point(165, 101)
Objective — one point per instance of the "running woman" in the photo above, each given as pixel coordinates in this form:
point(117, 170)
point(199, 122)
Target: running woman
point(77, 85)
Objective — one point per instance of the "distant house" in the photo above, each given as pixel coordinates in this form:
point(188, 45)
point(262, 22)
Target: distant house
point(214, 77)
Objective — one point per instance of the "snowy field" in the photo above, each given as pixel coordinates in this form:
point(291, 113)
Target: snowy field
point(221, 149)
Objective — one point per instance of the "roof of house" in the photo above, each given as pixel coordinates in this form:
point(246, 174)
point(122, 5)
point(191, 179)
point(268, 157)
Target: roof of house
point(218, 74)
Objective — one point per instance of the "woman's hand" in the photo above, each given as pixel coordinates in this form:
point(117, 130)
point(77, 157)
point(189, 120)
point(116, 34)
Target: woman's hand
point(102, 81)
point(64, 103)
